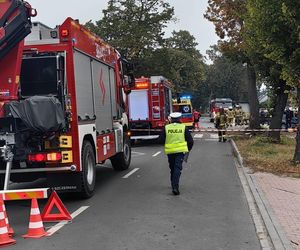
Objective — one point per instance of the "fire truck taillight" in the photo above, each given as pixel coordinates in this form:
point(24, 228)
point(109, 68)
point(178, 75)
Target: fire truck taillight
point(54, 157)
point(44, 157)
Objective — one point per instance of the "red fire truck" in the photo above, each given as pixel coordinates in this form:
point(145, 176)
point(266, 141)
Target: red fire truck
point(62, 98)
point(149, 104)
point(215, 104)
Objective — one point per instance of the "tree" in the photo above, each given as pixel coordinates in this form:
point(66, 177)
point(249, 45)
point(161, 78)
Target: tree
point(225, 78)
point(178, 60)
point(228, 18)
point(184, 41)
point(133, 26)
point(276, 25)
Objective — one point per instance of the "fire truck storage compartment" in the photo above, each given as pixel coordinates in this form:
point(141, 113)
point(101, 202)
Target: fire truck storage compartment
point(95, 91)
point(138, 105)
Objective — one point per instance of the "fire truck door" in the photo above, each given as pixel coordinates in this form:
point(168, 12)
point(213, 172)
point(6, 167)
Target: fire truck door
point(102, 96)
point(84, 87)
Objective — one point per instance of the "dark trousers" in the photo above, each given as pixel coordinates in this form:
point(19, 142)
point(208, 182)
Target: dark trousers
point(288, 124)
point(222, 135)
point(175, 164)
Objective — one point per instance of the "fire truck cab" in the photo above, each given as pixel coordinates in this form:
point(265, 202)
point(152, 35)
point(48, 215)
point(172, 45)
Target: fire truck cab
point(63, 108)
point(149, 104)
point(215, 104)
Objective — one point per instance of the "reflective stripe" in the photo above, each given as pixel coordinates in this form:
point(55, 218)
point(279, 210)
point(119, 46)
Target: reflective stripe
point(3, 230)
point(2, 216)
point(34, 211)
point(35, 224)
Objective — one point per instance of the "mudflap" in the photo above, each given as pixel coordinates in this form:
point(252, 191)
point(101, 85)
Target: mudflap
point(64, 182)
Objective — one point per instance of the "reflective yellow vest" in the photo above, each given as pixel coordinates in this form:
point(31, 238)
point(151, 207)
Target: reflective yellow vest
point(175, 139)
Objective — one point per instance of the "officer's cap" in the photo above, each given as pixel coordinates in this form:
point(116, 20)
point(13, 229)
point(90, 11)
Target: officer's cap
point(175, 115)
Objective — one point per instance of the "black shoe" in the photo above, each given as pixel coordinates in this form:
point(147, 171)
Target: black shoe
point(176, 191)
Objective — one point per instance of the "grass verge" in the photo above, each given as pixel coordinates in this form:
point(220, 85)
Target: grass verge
point(260, 154)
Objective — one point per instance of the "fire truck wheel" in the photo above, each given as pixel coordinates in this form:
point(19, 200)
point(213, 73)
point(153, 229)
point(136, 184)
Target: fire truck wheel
point(2, 179)
point(121, 161)
point(88, 174)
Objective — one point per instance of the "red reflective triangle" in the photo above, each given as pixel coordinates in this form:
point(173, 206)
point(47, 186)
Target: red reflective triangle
point(63, 214)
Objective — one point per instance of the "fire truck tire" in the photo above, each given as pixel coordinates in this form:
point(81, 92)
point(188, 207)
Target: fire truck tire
point(2, 179)
point(88, 174)
point(121, 161)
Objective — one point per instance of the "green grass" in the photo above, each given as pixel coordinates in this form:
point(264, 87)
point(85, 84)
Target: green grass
point(261, 154)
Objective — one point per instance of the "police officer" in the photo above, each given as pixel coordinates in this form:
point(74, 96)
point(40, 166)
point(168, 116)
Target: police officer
point(178, 141)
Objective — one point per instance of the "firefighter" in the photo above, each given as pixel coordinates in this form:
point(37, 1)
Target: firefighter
point(230, 116)
point(238, 115)
point(178, 141)
point(196, 116)
point(221, 123)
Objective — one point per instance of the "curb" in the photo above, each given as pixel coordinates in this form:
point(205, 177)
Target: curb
point(277, 238)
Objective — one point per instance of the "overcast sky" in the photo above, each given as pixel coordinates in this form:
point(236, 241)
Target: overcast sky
point(188, 12)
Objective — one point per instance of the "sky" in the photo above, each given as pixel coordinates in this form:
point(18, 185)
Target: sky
point(188, 12)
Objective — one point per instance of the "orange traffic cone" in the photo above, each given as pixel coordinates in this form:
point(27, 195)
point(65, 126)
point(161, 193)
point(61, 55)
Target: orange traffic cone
point(9, 228)
point(36, 227)
point(5, 240)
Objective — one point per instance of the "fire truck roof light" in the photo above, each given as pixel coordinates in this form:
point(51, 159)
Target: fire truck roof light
point(188, 97)
point(64, 32)
point(141, 85)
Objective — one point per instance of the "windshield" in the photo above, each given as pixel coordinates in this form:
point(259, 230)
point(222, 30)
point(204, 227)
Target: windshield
point(39, 76)
point(223, 104)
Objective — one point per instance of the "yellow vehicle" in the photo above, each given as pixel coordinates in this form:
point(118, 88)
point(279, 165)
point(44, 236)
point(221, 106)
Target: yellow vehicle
point(185, 107)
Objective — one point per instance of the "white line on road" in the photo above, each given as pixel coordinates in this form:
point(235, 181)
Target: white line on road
point(137, 153)
point(198, 136)
point(214, 136)
point(59, 225)
point(130, 173)
point(156, 154)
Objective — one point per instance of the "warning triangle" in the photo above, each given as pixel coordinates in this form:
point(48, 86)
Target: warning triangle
point(63, 214)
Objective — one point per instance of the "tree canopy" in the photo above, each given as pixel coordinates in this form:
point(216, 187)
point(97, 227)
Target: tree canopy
point(133, 26)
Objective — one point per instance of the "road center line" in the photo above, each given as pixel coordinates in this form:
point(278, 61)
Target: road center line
point(59, 225)
point(130, 173)
point(156, 154)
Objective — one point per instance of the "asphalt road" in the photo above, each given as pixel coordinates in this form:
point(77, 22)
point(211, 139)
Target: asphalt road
point(139, 212)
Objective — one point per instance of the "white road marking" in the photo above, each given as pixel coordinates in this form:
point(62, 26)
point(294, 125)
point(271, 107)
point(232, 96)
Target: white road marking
point(196, 136)
point(137, 153)
point(130, 173)
point(214, 136)
point(59, 225)
point(156, 154)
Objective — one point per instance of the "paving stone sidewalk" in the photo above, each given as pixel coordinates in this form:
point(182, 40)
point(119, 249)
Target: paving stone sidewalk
point(283, 195)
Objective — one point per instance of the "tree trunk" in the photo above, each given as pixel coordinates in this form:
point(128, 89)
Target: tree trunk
point(281, 97)
point(297, 149)
point(253, 99)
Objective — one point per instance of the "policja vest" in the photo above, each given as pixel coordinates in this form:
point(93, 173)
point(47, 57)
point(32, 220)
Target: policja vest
point(175, 139)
